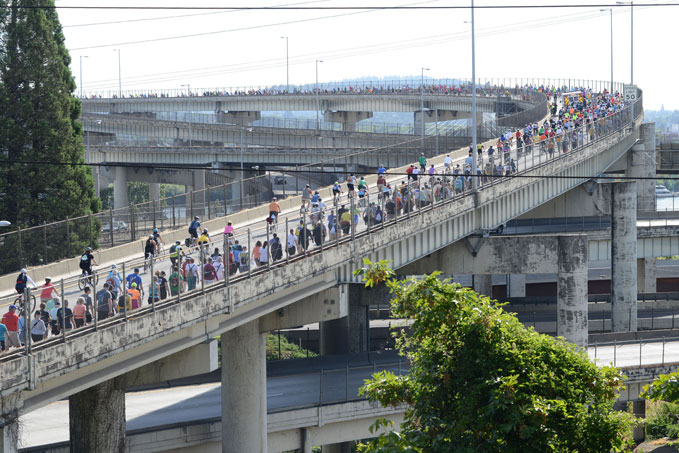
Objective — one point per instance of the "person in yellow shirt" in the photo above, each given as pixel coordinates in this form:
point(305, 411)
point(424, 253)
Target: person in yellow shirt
point(204, 238)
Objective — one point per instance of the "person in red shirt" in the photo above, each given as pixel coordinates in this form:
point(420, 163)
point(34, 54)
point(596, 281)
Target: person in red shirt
point(11, 321)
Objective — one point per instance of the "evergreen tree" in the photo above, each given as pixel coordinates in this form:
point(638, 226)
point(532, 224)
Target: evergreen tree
point(39, 120)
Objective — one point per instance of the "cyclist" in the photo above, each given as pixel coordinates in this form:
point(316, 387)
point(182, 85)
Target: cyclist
point(193, 228)
point(204, 238)
point(175, 250)
point(274, 209)
point(86, 261)
point(336, 192)
point(22, 280)
point(158, 238)
point(149, 249)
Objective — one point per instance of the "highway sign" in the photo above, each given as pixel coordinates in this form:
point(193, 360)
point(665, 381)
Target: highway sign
point(630, 92)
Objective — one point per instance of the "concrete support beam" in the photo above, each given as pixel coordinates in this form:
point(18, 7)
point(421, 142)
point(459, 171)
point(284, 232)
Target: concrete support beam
point(641, 163)
point(350, 334)
point(10, 438)
point(348, 119)
point(199, 198)
point(647, 275)
point(240, 118)
point(483, 284)
point(244, 419)
point(120, 188)
point(517, 285)
point(571, 305)
point(97, 417)
point(326, 305)
point(624, 256)
point(199, 359)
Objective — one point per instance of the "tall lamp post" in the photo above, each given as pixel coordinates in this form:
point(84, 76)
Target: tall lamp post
point(318, 98)
point(610, 10)
point(631, 50)
point(242, 172)
point(188, 94)
point(475, 179)
point(81, 74)
point(422, 105)
point(120, 80)
point(287, 65)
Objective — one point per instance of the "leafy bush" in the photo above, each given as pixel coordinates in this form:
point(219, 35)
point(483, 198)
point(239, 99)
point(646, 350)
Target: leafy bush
point(663, 421)
point(287, 351)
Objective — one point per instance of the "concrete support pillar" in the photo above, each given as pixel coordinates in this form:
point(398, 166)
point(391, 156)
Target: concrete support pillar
point(199, 199)
point(120, 188)
point(483, 284)
point(571, 277)
point(97, 417)
point(342, 447)
point(244, 389)
point(348, 119)
point(647, 275)
point(624, 256)
point(154, 191)
point(641, 163)
point(10, 438)
point(517, 285)
point(350, 334)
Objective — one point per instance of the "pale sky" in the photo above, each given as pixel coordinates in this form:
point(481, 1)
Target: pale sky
point(249, 51)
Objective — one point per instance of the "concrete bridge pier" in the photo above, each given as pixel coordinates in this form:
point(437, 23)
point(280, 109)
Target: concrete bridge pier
point(97, 417)
point(10, 437)
point(120, 189)
point(351, 334)
point(348, 119)
point(647, 275)
point(641, 163)
point(244, 418)
point(154, 191)
point(571, 304)
point(624, 256)
point(198, 186)
point(483, 284)
point(517, 285)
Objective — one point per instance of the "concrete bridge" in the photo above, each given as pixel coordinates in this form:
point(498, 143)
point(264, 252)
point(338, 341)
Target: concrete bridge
point(319, 286)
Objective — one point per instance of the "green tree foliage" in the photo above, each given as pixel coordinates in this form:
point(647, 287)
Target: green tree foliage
point(480, 381)
point(39, 120)
point(665, 388)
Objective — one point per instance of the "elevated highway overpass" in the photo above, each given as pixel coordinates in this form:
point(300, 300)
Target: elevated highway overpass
point(306, 286)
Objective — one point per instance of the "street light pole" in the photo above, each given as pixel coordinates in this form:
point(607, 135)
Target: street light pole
point(120, 80)
point(474, 138)
point(318, 98)
point(611, 13)
point(422, 105)
point(81, 74)
point(188, 94)
point(287, 65)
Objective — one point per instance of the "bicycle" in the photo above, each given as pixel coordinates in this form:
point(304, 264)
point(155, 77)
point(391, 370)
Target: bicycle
point(87, 280)
point(19, 301)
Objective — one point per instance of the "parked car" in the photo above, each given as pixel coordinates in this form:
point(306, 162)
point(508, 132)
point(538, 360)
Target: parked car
point(118, 225)
point(280, 180)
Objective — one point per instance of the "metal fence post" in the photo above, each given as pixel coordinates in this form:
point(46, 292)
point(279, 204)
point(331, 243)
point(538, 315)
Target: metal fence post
point(174, 221)
point(133, 225)
point(287, 246)
point(123, 290)
point(201, 256)
point(63, 311)
point(640, 345)
point(68, 238)
point(303, 235)
point(152, 289)
point(249, 256)
point(27, 319)
point(110, 224)
point(89, 219)
point(209, 206)
point(44, 238)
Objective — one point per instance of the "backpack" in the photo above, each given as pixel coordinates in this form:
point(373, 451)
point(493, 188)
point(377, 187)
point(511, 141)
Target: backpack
point(209, 273)
point(174, 280)
point(244, 258)
point(21, 282)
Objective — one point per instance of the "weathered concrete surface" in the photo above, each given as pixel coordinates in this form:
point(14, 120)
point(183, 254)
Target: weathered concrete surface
point(9, 441)
point(641, 163)
point(517, 285)
point(647, 275)
point(326, 305)
point(199, 359)
point(244, 390)
point(97, 418)
point(483, 284)
point(572, 303)
point(349, 334)
point(624, 256)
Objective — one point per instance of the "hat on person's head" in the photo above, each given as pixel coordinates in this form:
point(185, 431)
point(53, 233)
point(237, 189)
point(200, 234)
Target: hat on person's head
point(12, 307)
point(136, 269)
point(133, 285)
point(106, 285)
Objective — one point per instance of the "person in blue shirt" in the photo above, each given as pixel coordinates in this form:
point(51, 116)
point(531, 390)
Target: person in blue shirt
point(135, 278)
point(381, 170)
point(3, 330)
point(193, 228)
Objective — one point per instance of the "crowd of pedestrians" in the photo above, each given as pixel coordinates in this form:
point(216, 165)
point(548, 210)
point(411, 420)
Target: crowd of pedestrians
point(578, 117)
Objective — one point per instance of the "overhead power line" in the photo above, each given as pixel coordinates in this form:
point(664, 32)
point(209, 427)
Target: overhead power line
point(333, 8)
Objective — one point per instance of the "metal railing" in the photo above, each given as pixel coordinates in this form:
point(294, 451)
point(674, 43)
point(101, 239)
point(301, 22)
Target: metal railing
point(453, 86)
point(651, 352)
point(312, 241)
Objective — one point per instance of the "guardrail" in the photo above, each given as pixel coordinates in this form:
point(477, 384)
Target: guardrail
point(338, 234)
point(652, 352)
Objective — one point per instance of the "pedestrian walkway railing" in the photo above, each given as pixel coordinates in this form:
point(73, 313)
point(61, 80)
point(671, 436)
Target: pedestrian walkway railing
point(636, 353)
point(453, 86)
point(308, 226)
